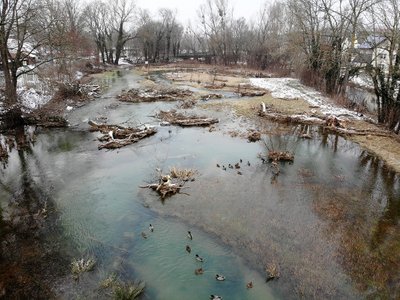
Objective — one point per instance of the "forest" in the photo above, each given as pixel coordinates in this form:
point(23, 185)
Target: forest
point(325, 43)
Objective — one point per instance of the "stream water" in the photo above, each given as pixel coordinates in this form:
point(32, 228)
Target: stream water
point(329, 221)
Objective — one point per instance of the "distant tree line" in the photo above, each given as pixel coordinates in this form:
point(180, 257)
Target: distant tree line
point(314, 39)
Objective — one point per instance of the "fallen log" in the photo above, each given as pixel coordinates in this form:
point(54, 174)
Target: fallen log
point(280, 156)
point(175, 118)
point(116, 136)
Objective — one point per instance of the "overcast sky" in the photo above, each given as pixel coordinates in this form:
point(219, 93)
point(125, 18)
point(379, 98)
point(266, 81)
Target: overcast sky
point(187, 9)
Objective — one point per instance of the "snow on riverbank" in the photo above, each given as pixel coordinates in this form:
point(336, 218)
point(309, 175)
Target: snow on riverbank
point(292, 89)
point(32, 99)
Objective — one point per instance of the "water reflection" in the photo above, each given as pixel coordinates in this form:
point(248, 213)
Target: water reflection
point(28, 260)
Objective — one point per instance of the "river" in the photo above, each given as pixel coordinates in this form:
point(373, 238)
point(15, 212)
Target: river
point(329, 221)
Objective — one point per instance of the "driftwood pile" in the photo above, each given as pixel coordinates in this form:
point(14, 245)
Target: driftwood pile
point(280, 156)
point(175, 118)
point(152, 95)
point(172, 183)
point(116, 136)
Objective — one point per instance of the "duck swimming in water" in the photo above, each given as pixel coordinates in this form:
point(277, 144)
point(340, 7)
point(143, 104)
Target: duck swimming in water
point(189, 235)
point(215, 297)
point(249, 285)
point(220, 277)
point(199, 271)
point(144, 235)
point(218, 165)
point(151, 228)
point(198, 258)
point(224, 168)
point(188, 249)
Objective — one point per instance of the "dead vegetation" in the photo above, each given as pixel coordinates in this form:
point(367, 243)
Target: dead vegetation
point(123, 290)
point(116, 136)
point(272, 272)
point(40, 118)
point(153, 94)
point(172, 183)
point(280, 156)
point(79, 266)
point(175, 118)
point(254, 136)
point(3, 153)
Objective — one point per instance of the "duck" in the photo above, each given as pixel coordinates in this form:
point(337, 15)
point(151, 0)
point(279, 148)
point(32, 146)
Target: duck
point(215, 297)
point(249, 285)
point(151, 228)
point(189, 235)
point(237, 166)
point(198, 258)
point(263, 160)
point(240, 160)
point(220, 277)
point(224, 168)
point(248, 163)
point(199, 271)
point(188, 249)
point(239, 173)
point(230, 166)
point(144, 235)
point(218, 165)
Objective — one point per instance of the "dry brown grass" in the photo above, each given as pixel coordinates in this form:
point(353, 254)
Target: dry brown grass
point(198, 79)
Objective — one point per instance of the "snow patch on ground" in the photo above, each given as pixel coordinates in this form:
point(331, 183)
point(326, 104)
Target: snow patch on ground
point(363, 81)
point(292, 89)
point(32, 99)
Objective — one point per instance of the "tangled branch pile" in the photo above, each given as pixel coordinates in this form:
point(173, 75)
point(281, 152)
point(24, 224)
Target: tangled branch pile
point(172, 183)
point(151, 95)
point(115, 136)
point(175, 118)
point(280, 156)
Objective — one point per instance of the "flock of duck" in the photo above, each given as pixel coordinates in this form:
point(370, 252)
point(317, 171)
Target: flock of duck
point(235, 166)
point(200, 259)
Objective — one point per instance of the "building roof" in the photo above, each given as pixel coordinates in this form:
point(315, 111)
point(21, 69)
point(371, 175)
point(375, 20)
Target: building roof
point(371, 42)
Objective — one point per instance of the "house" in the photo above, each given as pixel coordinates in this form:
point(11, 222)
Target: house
point(29, 53)
point(373, 51)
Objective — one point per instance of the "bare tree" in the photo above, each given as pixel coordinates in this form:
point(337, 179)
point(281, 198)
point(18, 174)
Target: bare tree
point(385, 27)
point(20, 38)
